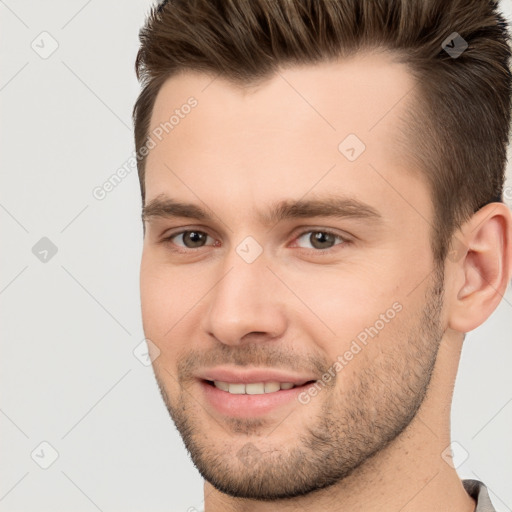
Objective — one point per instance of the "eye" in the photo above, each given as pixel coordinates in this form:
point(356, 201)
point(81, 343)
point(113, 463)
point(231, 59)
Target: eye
point(191, 239)
point(321, 240)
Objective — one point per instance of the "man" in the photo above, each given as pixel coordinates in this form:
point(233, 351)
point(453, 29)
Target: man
point(323, 222)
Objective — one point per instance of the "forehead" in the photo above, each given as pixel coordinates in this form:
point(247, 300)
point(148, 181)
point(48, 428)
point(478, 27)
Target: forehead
point(296, 132)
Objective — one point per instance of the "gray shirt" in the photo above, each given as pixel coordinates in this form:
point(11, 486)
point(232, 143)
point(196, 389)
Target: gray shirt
point(478, 491)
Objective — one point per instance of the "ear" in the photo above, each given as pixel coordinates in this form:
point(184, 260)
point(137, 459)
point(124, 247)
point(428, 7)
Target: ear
point(479, 267)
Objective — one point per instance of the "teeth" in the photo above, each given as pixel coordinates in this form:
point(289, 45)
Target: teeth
point(236, 389)
point(221, 385)
point(270, 387)
point(254, 388)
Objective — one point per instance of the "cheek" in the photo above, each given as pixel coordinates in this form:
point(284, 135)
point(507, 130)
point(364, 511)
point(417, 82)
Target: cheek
point(345, 302)
point(169, 297)
point(163, 305)
point(161, 295)
point(378, 347)
point(358, 322)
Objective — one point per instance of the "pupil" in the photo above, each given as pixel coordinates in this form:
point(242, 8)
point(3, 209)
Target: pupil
point(195, 235)
point(322, 238)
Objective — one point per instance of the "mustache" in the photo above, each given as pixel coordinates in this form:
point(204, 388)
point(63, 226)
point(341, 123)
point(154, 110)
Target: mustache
point(264, 354)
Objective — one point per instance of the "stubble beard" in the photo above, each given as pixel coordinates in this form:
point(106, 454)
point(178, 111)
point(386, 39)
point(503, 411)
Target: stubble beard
point(354, 423)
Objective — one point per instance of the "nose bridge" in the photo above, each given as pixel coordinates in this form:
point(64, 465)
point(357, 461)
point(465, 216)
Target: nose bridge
point(246, 299)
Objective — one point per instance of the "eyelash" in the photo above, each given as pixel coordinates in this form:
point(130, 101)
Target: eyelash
point(180, 250)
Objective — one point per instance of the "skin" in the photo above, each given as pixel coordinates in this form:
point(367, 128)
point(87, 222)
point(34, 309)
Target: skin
point(373, 439)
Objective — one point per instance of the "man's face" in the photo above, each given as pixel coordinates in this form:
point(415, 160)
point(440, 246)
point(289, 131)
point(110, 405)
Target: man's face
point(351, 301)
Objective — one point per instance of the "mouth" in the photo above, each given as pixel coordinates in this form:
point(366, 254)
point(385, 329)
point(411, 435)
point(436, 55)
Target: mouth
point(251, 400)
point(254, 388)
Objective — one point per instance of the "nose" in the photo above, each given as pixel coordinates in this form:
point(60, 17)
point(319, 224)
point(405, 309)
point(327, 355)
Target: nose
point(247, 301)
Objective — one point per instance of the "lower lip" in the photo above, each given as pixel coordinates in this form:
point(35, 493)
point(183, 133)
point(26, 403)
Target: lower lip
point(249, 406)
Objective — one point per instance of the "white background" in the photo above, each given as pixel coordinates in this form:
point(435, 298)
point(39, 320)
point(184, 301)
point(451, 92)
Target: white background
point(69, 326)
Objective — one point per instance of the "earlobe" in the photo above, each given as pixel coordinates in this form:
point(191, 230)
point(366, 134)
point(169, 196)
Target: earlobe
point(482, 273)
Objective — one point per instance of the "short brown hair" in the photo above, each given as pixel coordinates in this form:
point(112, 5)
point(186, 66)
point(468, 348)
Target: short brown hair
point(457, 131)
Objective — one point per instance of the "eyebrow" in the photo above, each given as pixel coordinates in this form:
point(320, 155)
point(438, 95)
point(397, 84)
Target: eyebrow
point(166, 207)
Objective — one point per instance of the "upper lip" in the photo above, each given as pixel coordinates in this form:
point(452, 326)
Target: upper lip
point(230, 375)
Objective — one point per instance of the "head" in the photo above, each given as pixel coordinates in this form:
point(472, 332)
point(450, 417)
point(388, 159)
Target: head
point(296, 110)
